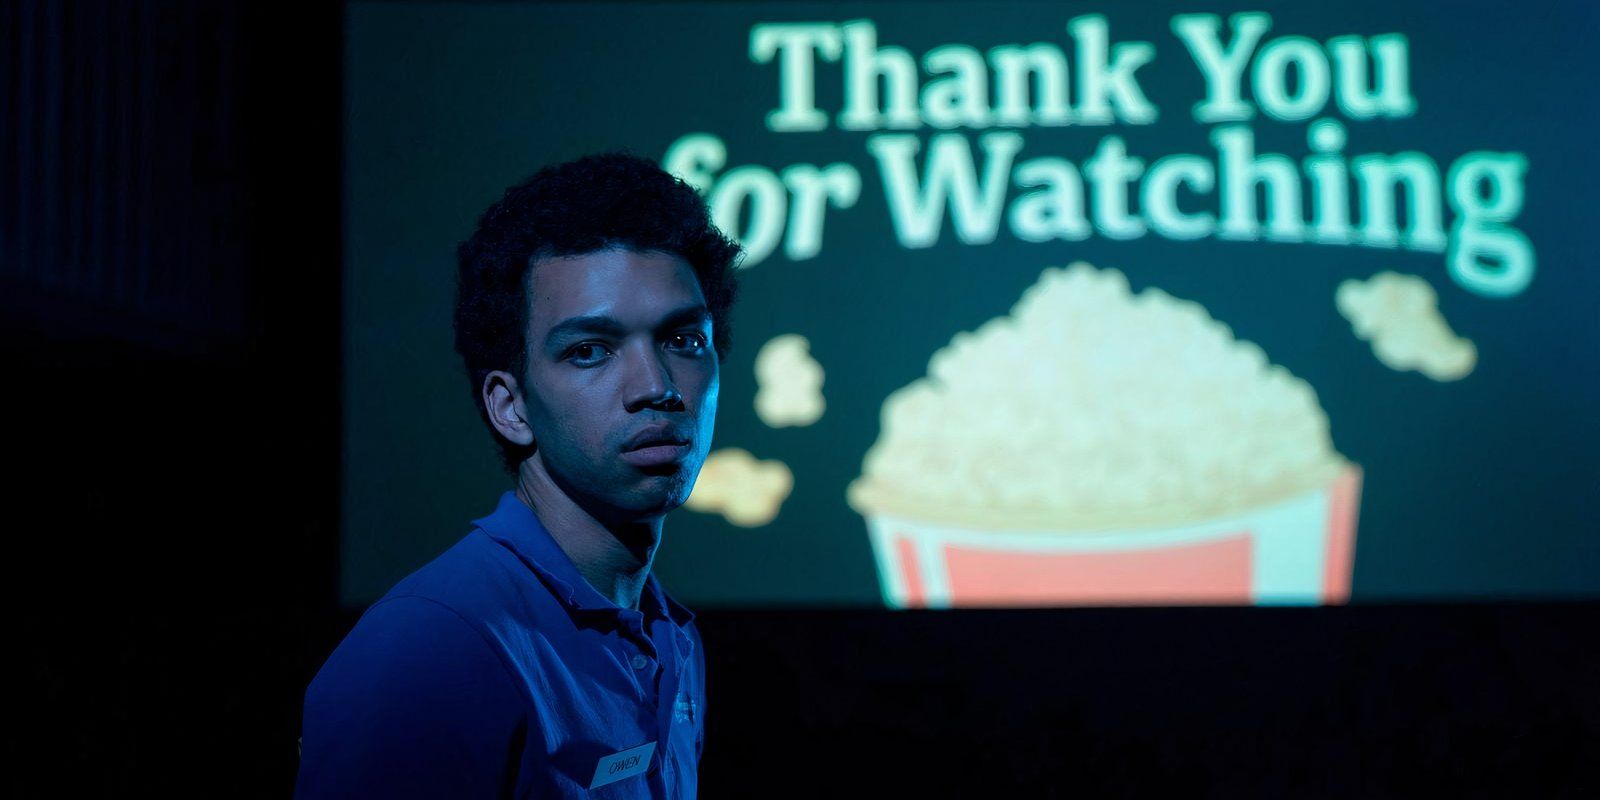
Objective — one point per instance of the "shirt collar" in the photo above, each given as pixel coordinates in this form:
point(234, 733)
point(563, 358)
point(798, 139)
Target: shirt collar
point(514, 525)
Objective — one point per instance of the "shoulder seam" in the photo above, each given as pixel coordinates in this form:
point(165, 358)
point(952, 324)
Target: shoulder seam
point(498, 657)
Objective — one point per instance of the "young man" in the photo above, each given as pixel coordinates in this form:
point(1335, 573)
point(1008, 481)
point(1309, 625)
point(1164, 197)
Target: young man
point(538, 657)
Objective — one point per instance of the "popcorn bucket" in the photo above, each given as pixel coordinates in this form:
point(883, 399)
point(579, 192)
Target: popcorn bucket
point(1297, 552)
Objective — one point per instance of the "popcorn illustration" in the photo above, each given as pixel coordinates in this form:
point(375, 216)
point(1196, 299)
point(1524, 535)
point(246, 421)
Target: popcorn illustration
point(789, 381)
point(1399, 315)
point(1100, 446)
point(745, 491)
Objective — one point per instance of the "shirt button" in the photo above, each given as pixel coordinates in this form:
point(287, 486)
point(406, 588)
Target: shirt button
point(639, 661)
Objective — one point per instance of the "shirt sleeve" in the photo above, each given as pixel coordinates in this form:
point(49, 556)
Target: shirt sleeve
point(412, 704)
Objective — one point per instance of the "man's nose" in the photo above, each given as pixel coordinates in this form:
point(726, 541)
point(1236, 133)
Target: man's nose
point(650, 383)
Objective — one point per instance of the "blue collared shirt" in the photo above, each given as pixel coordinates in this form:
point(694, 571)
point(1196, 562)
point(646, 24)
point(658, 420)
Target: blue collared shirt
point(498, 671)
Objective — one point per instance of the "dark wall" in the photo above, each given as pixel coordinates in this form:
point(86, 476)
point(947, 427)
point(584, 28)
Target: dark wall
point(169, 262)
point(1368, 702)
point(169, 245)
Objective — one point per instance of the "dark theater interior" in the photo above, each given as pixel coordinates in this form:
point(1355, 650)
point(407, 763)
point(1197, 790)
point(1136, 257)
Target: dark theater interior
point(227, 256)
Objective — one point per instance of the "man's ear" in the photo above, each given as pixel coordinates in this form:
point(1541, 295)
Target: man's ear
point(507, 411)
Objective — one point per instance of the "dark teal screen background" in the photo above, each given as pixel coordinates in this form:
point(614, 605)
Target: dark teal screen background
point(1482, 488)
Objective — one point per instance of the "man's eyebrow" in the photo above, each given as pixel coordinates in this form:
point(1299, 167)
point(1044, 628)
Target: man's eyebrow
point(687, 315)
point(610, 326)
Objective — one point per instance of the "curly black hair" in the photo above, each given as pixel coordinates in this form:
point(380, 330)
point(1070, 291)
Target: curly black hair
point(598, 202)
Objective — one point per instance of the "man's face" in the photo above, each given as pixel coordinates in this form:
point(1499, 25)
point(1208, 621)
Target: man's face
point(620, 342)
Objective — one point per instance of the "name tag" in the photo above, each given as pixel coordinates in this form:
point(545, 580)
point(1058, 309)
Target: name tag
point(626, 764)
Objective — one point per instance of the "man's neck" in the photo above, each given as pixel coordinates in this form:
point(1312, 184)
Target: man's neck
point(615, 559)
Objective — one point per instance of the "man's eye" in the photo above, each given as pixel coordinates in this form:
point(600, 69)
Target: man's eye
point(585, 348)
point(689, 341)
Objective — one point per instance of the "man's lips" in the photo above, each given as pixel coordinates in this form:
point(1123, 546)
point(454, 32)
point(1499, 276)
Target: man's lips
point(657, 445)
point(658, 434)
point(657, 455)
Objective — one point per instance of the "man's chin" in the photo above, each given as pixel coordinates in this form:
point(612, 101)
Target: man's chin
point(658, 496)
